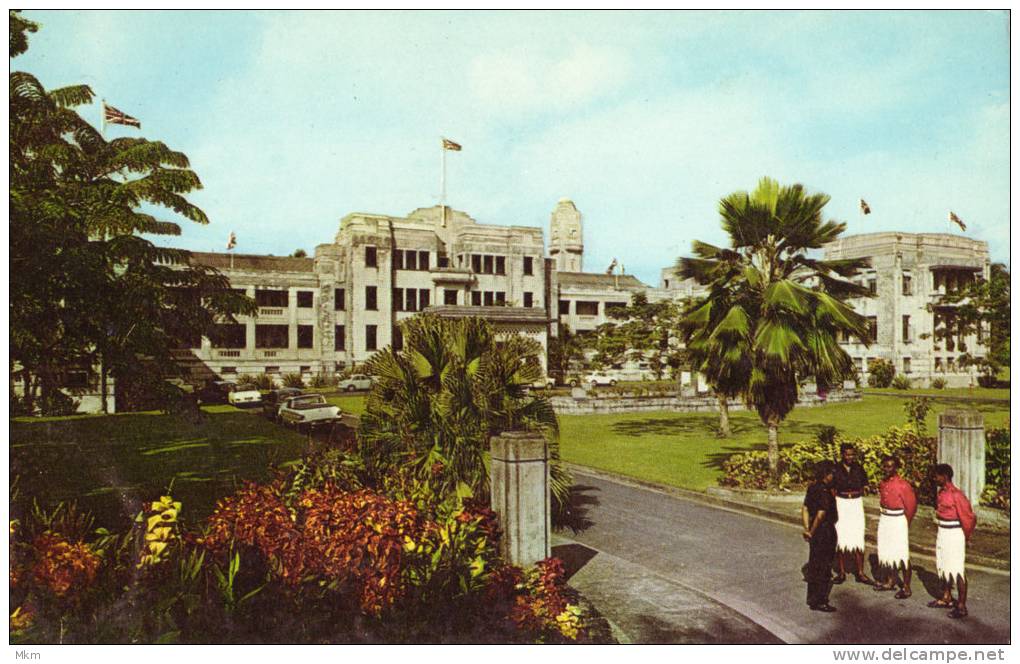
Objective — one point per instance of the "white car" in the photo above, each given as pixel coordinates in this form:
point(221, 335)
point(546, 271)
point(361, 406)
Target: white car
point(308, 409)
point(599, 379)
point(544, 383)
point(356, 382)
point(244, 396)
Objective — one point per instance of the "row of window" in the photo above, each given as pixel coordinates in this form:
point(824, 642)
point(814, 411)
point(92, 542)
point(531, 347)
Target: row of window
point(233, 336)
point(586, 307)
point(414, 259)
point(279, 298)
point(410, 299)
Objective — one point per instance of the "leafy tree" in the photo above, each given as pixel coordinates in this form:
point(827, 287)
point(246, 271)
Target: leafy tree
point(881, 372)
point(641, 331)
point(438, 401)
point(563, 349)
point(87, 289)
point(771, 302)
point(300, 253)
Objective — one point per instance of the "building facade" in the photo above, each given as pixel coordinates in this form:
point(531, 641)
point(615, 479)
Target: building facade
point(909, 276)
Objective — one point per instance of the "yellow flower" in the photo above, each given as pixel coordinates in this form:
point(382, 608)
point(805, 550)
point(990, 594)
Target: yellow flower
point(408, 543)
point(21, 619)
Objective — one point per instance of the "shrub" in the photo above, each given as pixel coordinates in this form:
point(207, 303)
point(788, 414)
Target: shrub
point(293, 380)
point(323, 379)
point(901, 382)
point(880, 373)
point(997, 469)
point(986, 380)
point(938, 383)
point(262, 381)
point(57, 404)
point(917, 410)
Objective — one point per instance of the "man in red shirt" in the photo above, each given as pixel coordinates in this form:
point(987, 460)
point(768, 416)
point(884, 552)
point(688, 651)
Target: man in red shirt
point(956, 522)
point(899, 505)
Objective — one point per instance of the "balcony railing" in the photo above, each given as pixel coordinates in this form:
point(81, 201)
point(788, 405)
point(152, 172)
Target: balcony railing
point(272, 311)
point(228, 353)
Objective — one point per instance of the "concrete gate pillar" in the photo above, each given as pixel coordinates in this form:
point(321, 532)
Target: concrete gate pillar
point(962, 446)
point(520, 495)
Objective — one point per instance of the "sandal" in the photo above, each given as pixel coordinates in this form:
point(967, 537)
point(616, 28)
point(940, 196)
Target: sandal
point(839, 579)
point(863, 578)
point(941, 604)
point(903, 594)
point(956, 613)
point(879, 588)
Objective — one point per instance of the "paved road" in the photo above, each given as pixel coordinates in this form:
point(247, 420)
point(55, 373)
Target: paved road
point(752, 566)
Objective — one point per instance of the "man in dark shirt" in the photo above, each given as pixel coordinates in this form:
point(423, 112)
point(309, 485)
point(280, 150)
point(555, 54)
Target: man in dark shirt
point(819, 516)
point(850, 483)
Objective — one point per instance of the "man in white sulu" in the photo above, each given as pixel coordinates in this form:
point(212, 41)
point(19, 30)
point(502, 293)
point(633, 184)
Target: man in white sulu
point(850, 484)
point(956, 521)
point(899, 505)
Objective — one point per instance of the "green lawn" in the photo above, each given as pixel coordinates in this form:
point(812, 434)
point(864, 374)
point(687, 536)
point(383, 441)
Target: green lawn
point(352, 404)
point(972, 392)
point(110, 464)
point(681, 448)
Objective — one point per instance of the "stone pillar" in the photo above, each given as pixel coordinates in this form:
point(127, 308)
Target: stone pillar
point(962, 446)
point(520, 495)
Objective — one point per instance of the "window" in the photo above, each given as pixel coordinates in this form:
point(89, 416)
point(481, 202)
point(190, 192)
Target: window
point(489, 298)
point(500, 264)
point(271, 298)
point(501, 298)
point(410, 299)
point(906, 365)
point(228, 370)
point(564, 307)
point(908, 286)
point(398, 299)
point(423, 298)
point(305, 368)
point(76, 379)
point(529, 265)
point(487, 264)
point(398, 338)
point(370, 340)
point(271, 336)
point(371, 258)
point(398, 259)
point(449, 296)
point(304, 299)
point(339, 343)
point(906, 329)
point(305, 336)
point(443, 261)
point(872, 329)
point(339, 299)
point(529, 299)
point(938, 364)
point(587, 308)
point(370, 298)
point(423, 260)
point(476, 263)
point(229, 336)
point(873, 286)
point(272, 370)
point(410, 260)
point(614, 306)
point(860, 364)
point(476, 298)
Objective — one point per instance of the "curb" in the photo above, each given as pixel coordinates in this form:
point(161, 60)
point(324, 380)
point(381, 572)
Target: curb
point(975, 562)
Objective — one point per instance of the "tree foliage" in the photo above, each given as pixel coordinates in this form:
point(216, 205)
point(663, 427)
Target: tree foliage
point(981, 307)
point(641, 331)
point(772, 312)
point(86, 285)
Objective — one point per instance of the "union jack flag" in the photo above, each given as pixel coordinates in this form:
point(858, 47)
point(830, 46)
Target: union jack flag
point(865, 208)
point(115, 116)
point(956, 220)
point(450, 145)
point(231, 241)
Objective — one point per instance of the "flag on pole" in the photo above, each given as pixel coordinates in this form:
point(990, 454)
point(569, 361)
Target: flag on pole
point(612, 266)
point(115, 116)
point(450, 145)
point(956, 220)
point(865, 208)
point(231, 241)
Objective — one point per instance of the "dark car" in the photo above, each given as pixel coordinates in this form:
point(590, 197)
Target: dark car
point(216, 391)
point(272, 401)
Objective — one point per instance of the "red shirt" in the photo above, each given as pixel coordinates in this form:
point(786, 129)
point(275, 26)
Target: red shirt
point(896, 493)
point(953, 505)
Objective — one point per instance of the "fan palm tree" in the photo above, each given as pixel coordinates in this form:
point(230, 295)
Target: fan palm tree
point(438, 401)
point(773, 312)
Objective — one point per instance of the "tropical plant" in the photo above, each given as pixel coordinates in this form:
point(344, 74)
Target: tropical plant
point(293, 380)
point(772, 312)
point(938, 383)
point(86, 288)
point(981, 307)
point(880, 372)
point(901, 382)
point(438, 401)
point(917, 410)
point(564, 350)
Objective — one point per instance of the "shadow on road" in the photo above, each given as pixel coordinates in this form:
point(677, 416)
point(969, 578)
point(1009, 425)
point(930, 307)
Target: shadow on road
point(582, 499)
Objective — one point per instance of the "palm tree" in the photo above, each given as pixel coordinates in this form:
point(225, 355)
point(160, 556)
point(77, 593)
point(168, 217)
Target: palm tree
point(772, 313)
point(438, 401)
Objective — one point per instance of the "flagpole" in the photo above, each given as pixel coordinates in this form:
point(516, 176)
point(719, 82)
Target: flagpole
point(102, 112)
point(442, 179)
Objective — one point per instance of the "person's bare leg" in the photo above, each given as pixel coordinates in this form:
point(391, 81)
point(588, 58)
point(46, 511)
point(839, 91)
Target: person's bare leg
point(861, 574)
point(961, 594)
point(907, 573)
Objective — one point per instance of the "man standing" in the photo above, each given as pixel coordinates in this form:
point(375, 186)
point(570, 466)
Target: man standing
point(956, 522)
point(850, 482)
point(899, 504)
point(819, 516)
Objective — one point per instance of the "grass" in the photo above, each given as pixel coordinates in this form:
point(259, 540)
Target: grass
point(352, 404)
point(111, 464)
point(681, 449)
point(972, 392)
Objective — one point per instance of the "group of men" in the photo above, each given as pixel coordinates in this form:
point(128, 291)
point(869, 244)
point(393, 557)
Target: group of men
point(833, 516)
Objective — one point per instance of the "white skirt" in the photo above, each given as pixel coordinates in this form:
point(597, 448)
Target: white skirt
point(951, 554)
point(850, 526)
point(893, 541)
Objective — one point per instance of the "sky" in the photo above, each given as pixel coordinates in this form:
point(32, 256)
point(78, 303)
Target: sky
point(644, 119)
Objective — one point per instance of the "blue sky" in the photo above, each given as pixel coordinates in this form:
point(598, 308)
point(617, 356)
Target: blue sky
point(644, 119)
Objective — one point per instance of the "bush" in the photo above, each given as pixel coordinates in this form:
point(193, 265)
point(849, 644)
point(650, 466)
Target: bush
point(323, 379)
point(901, 382)
point(262, 381)
point(938, 383)
point(57, 404)
point(985, 380)
point(880, 373)
point(997, 470)
point(293, 380)
point(917, 410)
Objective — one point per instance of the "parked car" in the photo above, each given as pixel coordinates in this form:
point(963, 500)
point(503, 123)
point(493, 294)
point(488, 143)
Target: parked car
point(356, 382)
point(598, 378)
point(216, 391)
point(308, 409)
point(244, 396)
point(273, 400)
point(543, 383)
